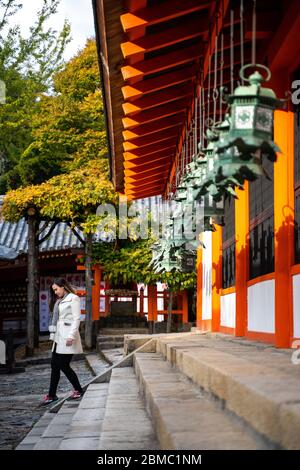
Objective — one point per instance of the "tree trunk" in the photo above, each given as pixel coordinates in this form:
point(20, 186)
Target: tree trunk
point(169, 322)
point(88, 287)
point(32, 279)
point(37, 294)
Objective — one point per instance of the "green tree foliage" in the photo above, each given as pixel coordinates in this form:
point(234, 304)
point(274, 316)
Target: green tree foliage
point(129, 262)
point(68, 127)
point(69, 135)
point(27, 66)
point(72, 197)
point(68, 139)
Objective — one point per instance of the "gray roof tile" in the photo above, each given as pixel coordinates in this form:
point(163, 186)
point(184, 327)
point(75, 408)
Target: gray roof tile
point(14, 235)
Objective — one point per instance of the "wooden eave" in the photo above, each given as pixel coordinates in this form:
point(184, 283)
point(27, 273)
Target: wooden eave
point(152, 54)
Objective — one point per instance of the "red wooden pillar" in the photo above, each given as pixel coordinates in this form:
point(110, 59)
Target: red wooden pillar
point(242, 259)
point(284, 227)
point(216, 277)
point(185, 307)
point(152, 303)
point(96, 292)
point(107, 299)
point(199, 288)
point(141, 301)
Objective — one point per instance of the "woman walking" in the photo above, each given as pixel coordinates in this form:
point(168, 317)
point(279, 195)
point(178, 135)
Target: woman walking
point(64, 332)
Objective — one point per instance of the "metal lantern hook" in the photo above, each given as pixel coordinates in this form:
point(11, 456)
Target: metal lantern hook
point(256, 66)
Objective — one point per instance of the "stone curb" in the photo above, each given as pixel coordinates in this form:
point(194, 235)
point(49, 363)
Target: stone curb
point(262, 396)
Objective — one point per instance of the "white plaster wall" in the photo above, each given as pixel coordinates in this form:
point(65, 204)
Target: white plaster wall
point(261, 307)
point(228, 310)
point(296, 305)
point(206, 273)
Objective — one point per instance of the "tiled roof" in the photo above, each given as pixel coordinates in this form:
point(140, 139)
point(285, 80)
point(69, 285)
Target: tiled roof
point(14, 236)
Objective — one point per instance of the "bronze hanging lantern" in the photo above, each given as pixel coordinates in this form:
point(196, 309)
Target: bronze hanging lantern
point(252, 117)
point(231, 167)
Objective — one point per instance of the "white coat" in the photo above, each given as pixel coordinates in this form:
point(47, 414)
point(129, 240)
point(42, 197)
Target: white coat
point(68, 326)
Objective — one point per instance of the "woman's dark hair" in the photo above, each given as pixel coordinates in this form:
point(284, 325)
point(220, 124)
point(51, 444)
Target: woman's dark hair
point(60, 282)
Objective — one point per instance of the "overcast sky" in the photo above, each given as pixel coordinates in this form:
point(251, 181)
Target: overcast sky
point(78, 12)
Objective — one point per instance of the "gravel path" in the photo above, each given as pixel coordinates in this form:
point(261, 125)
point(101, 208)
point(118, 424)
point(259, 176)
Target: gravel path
point(21, 394)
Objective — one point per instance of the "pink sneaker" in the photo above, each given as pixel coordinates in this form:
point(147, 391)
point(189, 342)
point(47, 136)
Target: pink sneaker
point(75, 395)
point(47, 400)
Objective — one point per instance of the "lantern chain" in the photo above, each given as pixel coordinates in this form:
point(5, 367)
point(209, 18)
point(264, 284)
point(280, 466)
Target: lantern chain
point(231, 47)
point(215, 92)
point(200, 115)
point(203, 111)
point(208, 84)
point(254, 33)
point(196, 121)
point(242, 34)
point(221, 74)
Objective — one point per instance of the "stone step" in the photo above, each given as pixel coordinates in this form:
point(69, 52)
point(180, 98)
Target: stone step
point(97, 363)
point(123, 331)
point(126, 424)
point(57, 428)
point(36, 432)
point(256, 382)
point(85, 428)
point(183, 416)
point(110, 338)
point(113, 355)
point(110, 345)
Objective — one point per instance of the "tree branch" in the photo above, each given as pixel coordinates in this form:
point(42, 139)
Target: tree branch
point(48, 234)
point(43, 228)
point(76, 234)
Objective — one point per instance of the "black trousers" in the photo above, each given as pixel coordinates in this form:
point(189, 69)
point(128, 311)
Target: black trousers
point(61, 362)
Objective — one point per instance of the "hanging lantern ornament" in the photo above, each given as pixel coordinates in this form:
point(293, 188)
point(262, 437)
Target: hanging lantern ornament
point(208, 185)
point(252, 117)
point(231, 167)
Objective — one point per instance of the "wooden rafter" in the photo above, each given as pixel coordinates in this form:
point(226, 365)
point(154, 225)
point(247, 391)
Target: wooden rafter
point(163, 62)
point(161, 97)
point(148, 140)
point(148, 169)
point(149, 16)
point(157, 184)
point(150, 149)
point(144, 163)
point(155, 181)
point(146, 194)
point(157, 113)
point(137, 180)
point(135, 50)
point(139, 89)
point(153, 127)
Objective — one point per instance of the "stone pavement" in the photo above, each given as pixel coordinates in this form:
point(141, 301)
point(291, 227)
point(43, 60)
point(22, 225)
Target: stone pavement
point(20, 395)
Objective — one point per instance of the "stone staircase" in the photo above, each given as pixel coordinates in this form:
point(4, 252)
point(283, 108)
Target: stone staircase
point(184, 417)
point(182, 391)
